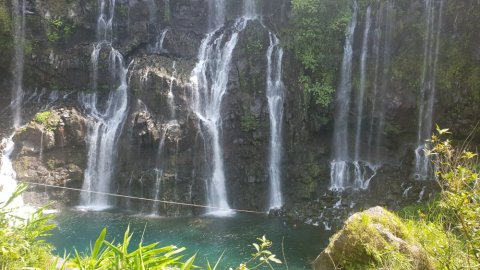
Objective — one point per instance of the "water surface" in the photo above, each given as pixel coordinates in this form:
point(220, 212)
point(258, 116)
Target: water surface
point(207, 235)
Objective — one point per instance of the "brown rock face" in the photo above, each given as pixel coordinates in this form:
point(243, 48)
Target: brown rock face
point(52, 152)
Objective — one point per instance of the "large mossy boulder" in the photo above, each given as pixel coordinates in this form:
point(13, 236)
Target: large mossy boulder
point(373, 239)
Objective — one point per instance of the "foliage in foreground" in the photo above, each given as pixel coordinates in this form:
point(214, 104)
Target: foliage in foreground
point(449, 227)
point(459, 204)
point(21, 239)
point(441, 234)
point(23, 246)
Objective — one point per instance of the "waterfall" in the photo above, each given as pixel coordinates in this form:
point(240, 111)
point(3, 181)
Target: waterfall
point(106, 119)
point(157, 191)
point(433, 25)
point(171, 124)
point(209, 84)
point(356, 167)
point(217, 8)
point(8, 183)
point(275, 95)
point(388, 16)
point(170, 96)
point(249, 8)
point(383, 28)
point(158, 48)
point(339, 173)
point(18, 18)
point(361, 92)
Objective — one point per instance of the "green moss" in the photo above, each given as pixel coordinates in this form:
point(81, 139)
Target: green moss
point(377, 239)
point(42, 117)
point(248, 122)
point(47, 119)
point(58, 29)
point(122, 10)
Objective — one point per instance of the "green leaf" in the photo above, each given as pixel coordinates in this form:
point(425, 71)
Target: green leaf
point(99, 243)
point(189, 263)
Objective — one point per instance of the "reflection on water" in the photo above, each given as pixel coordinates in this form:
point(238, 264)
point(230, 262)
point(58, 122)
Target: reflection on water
point(207, 235)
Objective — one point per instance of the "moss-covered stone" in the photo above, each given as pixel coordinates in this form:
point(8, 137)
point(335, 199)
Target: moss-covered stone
point(374, 239)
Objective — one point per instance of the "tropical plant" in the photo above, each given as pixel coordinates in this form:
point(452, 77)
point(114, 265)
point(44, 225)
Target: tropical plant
point(108, 255)
point(22, 240)
point(457, 172)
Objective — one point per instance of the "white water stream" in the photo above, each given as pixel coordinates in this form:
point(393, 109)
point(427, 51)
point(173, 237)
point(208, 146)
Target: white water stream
point(275, 97)
point(339, 172)
point(433, 25)
point(107, 117)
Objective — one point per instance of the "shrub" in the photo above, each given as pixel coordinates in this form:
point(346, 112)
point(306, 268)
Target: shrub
point(22, 241)
point(457, 173)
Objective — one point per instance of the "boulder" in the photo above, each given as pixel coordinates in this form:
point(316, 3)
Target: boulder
point(373, 239)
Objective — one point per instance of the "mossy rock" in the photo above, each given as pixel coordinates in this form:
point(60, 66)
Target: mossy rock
point(374, 239)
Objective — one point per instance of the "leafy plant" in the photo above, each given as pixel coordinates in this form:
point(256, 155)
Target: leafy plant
point(22, 240)
point(108, 255)
point(458, 176)
point(42, 117)
point(58, 28)
point(261, 257)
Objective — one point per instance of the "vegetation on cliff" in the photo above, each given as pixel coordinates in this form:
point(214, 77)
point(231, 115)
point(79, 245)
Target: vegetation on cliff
point(6, 37)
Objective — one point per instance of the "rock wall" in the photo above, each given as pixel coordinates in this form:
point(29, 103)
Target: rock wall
point(60, 35)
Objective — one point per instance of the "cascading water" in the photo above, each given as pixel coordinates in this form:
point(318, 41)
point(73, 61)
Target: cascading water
point(249, 8)
point(339, 173)
point(381, 40)
point(8, 183)
point(275, 97)
point(216, 8)
point(170, 96)
point(209, 84)
point(433, 25)
point(361, 92)
point(107, 119)
point(363, 169)
point(170, 125)
point(356, 168)
point(18, 8)
point(158, 48)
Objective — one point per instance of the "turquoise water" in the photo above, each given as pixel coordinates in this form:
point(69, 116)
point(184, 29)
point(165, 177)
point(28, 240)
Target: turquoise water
point(209, 236)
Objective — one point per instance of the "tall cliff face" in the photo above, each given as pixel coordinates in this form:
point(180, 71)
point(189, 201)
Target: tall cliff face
point(162, 149)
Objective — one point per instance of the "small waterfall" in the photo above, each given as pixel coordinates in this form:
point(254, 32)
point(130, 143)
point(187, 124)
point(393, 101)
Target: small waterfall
point(18, 18)
point(170, 96)
point(249, 9)
point(433, 25)
point(107, 119)
point(361, 92)
point(158, 48)
point(8, 183)
point(157, 191)
point(173, 124)
point(339, 174)
point(217, 8)
point(275, 96)
point(382, 40)
point(209, 84)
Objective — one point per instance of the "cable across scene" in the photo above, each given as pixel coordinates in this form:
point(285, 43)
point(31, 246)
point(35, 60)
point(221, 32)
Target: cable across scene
point(144, 199)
